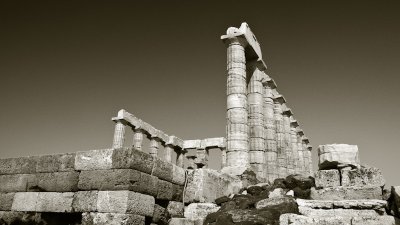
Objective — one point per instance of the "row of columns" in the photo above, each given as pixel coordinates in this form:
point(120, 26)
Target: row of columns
point(200, 159)
point(154, 145)
point(261, 132)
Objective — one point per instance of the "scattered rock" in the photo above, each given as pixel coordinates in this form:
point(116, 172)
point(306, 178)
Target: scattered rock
point(290, 193)
point(363, 176)
point(278, 192)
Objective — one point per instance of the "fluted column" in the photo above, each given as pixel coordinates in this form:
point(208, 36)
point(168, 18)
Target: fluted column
point(309, 148)
point(138, 139)
point(237, 158)
point(280, 146)
point(306, 156)
point(119, 134)
point(271, 154)
point(168, 149)
point(256, 122)
point(154, 146)
point(300, 150)
point(293, 139)
point(180, 155)
point(287, 142)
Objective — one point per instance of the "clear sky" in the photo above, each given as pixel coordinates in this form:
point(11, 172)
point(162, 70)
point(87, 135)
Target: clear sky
point(67, 67)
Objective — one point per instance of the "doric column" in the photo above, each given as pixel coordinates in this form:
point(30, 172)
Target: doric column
point(138, 139)
point(191, 162)
point(293, 139)
point(306, 156)
point(280, 146)
point(180, 155)
point(168, 149)
point(270, 131)
point(309, 148)
point(119, 134)
point(154, 146)
point(300, 150)
point(201, 158)
point(256, 121)
point(223, 157)
point(237, 158)
point(287, 142)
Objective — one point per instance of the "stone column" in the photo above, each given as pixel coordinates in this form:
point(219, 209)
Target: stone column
point(223, 157)
point(306, 158)
point(191, 162)
point(154, 146)
point(301, 150)
point(280, 146)
point(138, 139)
point(270, 132)
point(237, 158)
point(119, 134)
point(180, 155)
point(293, 139)
point(287, 142)
point(201, 158)
point(256, 122)
point(309, 148)
point(168, 149)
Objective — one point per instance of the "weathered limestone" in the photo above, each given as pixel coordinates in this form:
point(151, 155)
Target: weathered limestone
point(280, 142)
point(22, 165)
point(94, 160)
point(154, 146)
point(119, 134)
point(327, 178)
point(201, 158)
point(125, 202)
point(335, 156)
point(175, 209)
point(363, 176)
point(237, 123)
point(138, 139)
point(310, 164)
point(6, 200)
point(343, 204)
point(271, 153)
point(18, 182)
point(57, 181)
point(196, 211)
point(306, 155)
point(346, 193)
point(293, 139)
point(294, 219)
point(287, 112)
point(93, 218)
point(301, 151)
point(55, 163)
point(85, 201)
point(43, 201)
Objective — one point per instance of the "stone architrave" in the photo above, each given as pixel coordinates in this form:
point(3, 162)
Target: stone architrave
point(256, 122)
point(280, 146)
point(287, 139)
point(237, 158)
point(270, 131)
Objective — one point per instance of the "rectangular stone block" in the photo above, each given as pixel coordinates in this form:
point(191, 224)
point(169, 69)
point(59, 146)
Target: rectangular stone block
point(22, 165)
point(118, 179)
point(184, 221)
point(112, 219)
point(54, 202)
point(125, 202)
point(386, 220)
point(55, 163)
point(336, 212)
point(132, 159)
point(94, 159)
point(163, 170)
point(18, 182)
point(178, 175)
point(6, 200)
point(165, 190)
point(25, 201)
point(346, 193)
point(175, 209)
point(85, 201)
point(206, 185)
point(327, 178)
point(58, 181)
point(363, 176)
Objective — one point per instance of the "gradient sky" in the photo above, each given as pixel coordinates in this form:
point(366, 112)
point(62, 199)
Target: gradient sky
point(67, 67)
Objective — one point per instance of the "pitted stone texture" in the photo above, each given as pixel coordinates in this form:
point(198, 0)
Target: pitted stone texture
point(18, 182)
point(118, 179)
point(165, 190)
point(336, 156)
point(43, 201)
point(94, 160)
point(294, 219)
point(273, 202)
point(185, 221)
point(363, 176)
point(125, 158)
point(196, 211)
point(206, 185)
point(160, 215)
point(306, 211)
point(327, 178)
point(85, 201)
point(55, 163)
point(346, 193)
point(175, 209)
point(125, 202)
point(343, 204)
point(22, 165)
point(6, 201)
point(58, 181)
point(112, 219)
point(276, 193)
point(384, 220)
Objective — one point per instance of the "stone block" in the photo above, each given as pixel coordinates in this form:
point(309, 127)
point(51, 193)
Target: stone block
point(196, 211)
point(54, 202)
point(178, 175)
point(55, 163)
point(184, 221)
point(22, 165)
point(18, 182)
point(219, 142)
point(336, 156)
point(160, 215)
point(363, 176)
point(133, 159)
point(125, 202)
point(25, 201)
point(294, 219)
point(112, 219)
point(343, 204)
point(175, 209)
point(58, 181)
point(177, 193)
point(346, 193)
point(163, 170)
point(343, 213)
point(386, 220)
point(6, 200)
point(191, 144)
point(85, 201)
point(327, 178)
point(94, 159)
point(206, 185)
point(118, 179)
point(165, 190)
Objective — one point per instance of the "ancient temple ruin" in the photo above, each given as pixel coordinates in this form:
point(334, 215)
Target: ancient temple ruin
point(266, 174)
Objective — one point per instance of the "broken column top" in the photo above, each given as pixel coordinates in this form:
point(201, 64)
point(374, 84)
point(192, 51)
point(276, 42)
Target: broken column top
point(336, 156)
point(293, 122)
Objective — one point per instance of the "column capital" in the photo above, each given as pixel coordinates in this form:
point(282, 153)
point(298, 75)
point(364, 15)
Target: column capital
point(300, 131)
point(293, 122)
point(309, 147)
point(268, 81)
point(278, 98)
point(287, 111)
point(305, 140)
